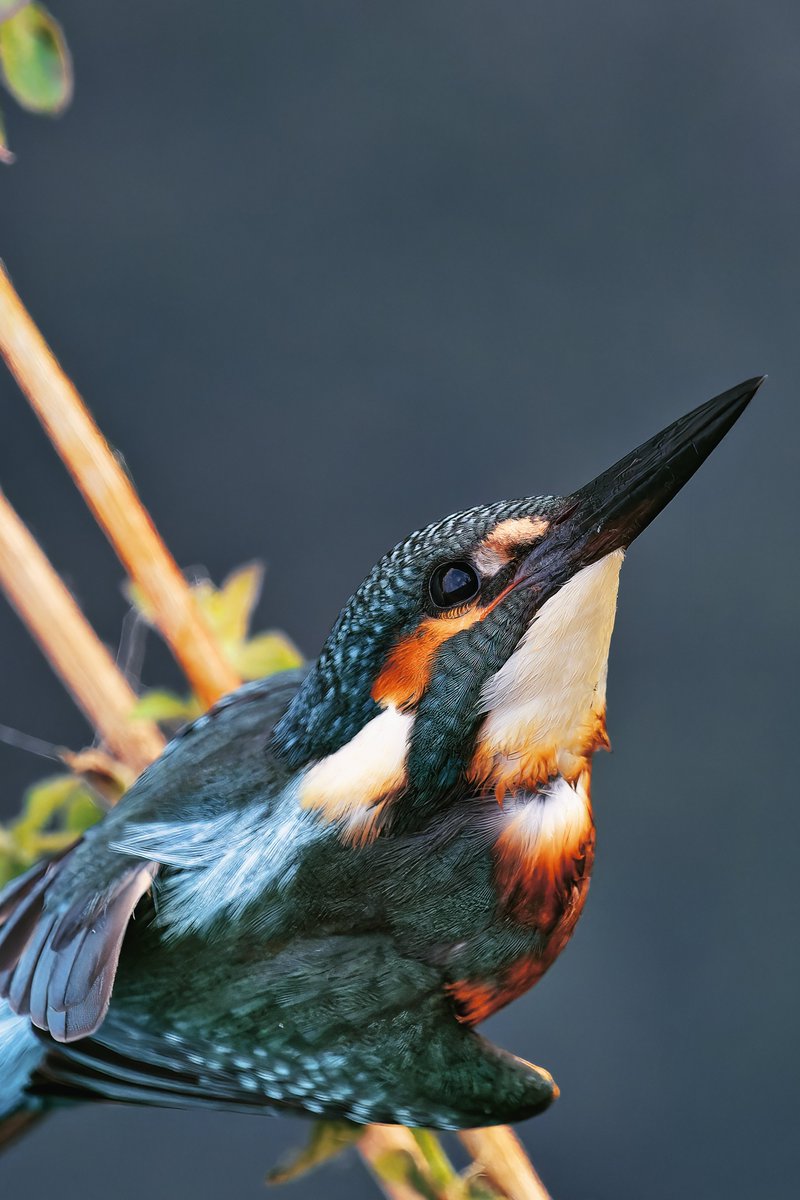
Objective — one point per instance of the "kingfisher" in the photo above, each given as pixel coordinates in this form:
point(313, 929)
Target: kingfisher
point(312, 898)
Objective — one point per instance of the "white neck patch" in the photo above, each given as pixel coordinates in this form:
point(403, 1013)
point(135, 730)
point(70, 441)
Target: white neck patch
point(554, 684)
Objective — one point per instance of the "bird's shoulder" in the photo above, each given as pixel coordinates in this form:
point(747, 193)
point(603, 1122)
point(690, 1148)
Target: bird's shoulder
point(213, 768)
point(63, 923)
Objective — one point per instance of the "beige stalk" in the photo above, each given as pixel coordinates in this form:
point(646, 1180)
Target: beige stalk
point(112, 497)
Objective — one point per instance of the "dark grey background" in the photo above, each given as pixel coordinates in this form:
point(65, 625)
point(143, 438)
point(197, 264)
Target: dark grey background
point(326, 272)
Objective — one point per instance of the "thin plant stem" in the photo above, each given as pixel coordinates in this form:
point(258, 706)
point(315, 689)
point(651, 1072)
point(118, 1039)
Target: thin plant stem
point(442, 1171)
point(503, 1160)
point(70, 645)
point(112, 497)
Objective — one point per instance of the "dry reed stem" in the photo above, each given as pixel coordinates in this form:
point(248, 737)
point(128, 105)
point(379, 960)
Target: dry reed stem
point(120, 512)
point(379, 1140)
point(70, 644)
point(501, 1155)
point(111, 496)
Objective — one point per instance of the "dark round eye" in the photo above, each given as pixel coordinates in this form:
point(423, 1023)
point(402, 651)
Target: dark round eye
point(454, 583)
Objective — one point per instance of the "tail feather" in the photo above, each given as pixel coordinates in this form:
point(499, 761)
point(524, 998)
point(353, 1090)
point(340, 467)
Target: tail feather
point(20, 1053)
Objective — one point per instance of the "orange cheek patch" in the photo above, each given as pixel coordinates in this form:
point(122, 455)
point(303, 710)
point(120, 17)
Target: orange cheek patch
point(407, 670)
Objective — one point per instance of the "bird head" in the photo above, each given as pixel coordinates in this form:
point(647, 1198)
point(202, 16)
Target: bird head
point(474, 655)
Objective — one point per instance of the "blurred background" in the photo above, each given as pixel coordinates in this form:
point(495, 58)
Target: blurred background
point(327, 272)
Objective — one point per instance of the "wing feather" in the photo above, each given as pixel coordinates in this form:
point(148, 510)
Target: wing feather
point(58, 965)
point(63, 923)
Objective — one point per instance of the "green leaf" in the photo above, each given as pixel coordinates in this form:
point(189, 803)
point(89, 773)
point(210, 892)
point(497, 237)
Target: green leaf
point(81, 813)
point(35, 60)
point(442, 1171)
point(12, 863)
point(9, 7)
point(10, 868)
point(477, 1189)
point(6, 155)
point(138, 599)
point(160, 704)
point(328, 1138)
point(264, 654)
point(40, 805)
point(230, 607)
point(54, 813)
point(51, 843)
point(398, 1166)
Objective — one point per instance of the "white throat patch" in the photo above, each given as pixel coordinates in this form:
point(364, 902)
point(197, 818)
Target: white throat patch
point(552, 689)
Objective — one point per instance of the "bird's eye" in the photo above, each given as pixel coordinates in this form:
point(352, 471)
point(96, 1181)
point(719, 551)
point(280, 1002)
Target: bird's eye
point(454, 583)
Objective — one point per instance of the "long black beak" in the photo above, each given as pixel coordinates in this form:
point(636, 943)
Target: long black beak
point(608, 513)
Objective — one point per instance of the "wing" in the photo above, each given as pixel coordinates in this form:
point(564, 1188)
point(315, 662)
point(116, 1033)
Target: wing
point(62, 925)
point(58, 960)
point(344, 1027)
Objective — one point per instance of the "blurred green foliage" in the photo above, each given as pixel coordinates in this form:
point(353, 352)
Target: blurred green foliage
point(431, 1176)
point(229, 611)
point(58, 809)
point(327, 1139)
point(55, 812)
point(35, 63)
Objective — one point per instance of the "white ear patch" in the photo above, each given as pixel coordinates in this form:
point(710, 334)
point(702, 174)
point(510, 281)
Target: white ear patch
point(368, 767)
point(547, 701)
